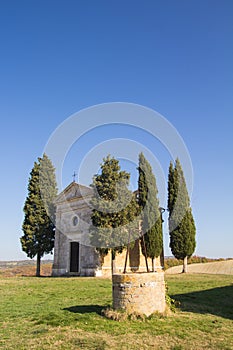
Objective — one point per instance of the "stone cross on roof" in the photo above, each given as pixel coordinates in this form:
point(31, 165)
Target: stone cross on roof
point(74, 175)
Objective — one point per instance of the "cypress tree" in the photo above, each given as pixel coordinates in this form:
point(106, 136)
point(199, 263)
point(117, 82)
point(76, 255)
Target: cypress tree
point(114, 210)
point(38, 225)
point(182, 228)
point(48, 185)
point(150, 213)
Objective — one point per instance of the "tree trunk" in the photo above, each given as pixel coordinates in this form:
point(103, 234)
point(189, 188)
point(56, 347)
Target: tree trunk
point(38, 265)
point(185, 265)
point(113, 262)
point(162, 258)
point(145, 252)
point(153, 265)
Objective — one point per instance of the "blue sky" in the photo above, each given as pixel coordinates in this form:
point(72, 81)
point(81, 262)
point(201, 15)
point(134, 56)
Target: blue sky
point(58, 57)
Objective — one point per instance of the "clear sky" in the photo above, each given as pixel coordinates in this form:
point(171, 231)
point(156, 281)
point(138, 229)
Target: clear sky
point(176, 57)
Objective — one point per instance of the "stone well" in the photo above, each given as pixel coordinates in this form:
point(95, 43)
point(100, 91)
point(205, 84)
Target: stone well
point(141, 293)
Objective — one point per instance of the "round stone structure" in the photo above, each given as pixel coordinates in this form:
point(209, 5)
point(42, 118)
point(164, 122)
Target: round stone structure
point(141, 293)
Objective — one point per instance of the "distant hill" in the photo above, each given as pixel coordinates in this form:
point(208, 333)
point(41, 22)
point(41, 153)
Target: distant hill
point(170, 261)
point(6, 264)
point(217, 267)
point(24, 268)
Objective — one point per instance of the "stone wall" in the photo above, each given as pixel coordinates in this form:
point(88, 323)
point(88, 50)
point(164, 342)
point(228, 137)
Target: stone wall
point(135, 263)
point(141, 293)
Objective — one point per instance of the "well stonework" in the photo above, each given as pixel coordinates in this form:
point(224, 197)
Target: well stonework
point(142, 293)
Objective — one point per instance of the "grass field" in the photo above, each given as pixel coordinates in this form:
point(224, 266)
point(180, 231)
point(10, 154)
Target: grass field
point(65, 313)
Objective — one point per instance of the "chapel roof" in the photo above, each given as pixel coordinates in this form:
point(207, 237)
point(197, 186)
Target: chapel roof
point(74, 189)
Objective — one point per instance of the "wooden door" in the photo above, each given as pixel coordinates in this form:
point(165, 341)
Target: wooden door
point(74, 257)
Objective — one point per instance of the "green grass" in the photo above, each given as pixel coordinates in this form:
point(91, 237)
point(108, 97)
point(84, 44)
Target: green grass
point(65, 313)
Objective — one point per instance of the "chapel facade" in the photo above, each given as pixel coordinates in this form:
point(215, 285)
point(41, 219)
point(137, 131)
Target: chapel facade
point(73, 256)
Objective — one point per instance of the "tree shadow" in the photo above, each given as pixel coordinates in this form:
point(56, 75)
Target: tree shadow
point(86, 309)
point(216, 301)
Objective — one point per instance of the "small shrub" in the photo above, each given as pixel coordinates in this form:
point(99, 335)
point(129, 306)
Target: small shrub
point(172, 304)
point(122, 315)
point(115, 315)
point(137, 317)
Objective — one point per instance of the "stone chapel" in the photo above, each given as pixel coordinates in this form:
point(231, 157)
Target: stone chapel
point(73, 256)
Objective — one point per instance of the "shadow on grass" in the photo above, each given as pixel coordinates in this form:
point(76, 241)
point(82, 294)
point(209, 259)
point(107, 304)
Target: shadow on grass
point(86, 309)
point(216, 301)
